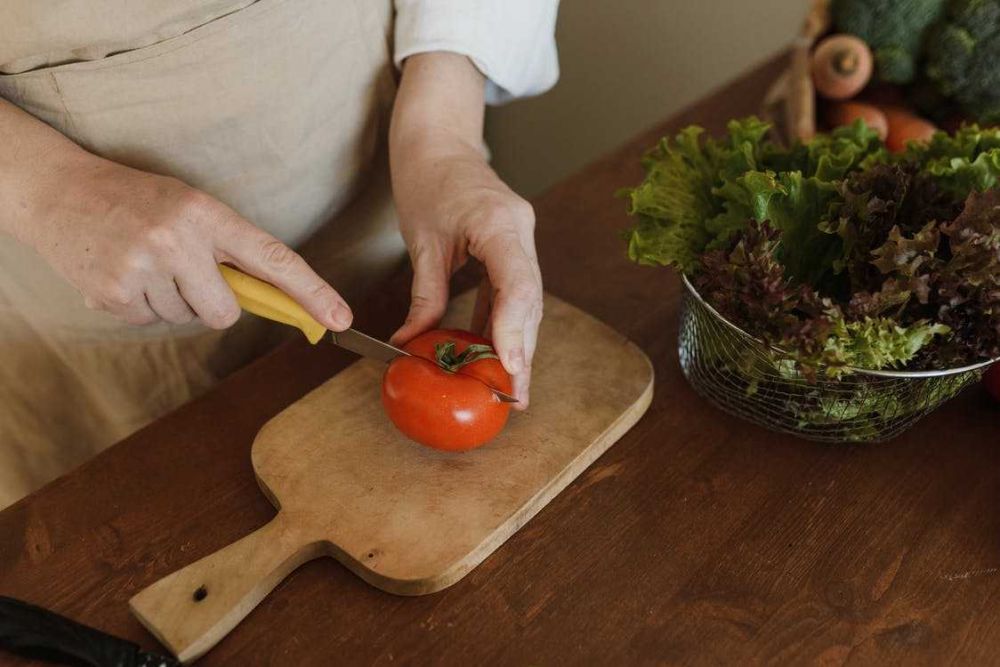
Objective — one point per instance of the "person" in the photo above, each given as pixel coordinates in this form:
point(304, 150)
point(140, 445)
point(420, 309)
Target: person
point(144, 143)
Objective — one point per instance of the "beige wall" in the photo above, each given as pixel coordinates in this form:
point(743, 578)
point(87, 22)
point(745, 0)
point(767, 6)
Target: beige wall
point(625, 65)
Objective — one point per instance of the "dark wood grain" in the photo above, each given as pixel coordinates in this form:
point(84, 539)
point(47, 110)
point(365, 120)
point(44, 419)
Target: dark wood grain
point(696, 539)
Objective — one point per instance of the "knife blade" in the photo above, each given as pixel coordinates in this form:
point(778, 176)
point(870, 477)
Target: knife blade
point(266, 300)
point(373, 348)
point(366, 346)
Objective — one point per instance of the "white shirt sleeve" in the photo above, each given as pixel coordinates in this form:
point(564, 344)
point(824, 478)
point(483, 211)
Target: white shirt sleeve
point(512, 42)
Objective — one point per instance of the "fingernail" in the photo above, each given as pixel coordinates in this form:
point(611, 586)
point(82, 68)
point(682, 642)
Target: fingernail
point(515, 361)
point(342, 316)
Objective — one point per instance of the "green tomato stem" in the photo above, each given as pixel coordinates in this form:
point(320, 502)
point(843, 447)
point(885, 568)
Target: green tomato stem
point(451, 361)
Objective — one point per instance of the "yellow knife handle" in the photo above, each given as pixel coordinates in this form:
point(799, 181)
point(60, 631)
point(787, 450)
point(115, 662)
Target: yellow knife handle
point(264, 299)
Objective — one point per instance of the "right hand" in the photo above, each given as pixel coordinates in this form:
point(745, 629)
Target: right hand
point(145, 248)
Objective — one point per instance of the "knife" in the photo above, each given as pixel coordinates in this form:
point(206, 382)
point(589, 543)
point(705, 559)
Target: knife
point(265, 300)
point(37, 633)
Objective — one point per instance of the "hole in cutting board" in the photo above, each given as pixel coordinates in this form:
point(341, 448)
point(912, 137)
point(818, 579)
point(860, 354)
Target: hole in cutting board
point(200, 594)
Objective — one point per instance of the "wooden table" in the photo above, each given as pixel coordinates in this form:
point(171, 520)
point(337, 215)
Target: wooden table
point(697, 538)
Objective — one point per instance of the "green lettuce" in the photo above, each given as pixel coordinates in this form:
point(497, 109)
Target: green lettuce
point(828, 157)
point(872, 343)
point(672, 203)
point(698, 192)
point(961, 163)
point(833, 251)
point(676, 197)
point(795, 205)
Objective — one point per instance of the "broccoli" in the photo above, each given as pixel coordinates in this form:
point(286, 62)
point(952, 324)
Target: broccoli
point(894, 29)
point(963, 57)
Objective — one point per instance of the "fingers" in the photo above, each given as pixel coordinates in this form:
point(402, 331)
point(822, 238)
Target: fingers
point(264, 256)
point(517, 307)
point(522, 380)
point(482, 324)
point(429, 293)
point(166, 301)
point(481, 320)
point(135, 311)
point(531, 327)
point(207, 293)
point(139, 314)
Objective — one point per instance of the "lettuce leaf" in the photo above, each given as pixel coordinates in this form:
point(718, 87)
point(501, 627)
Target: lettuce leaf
point(967, 287)
point(698, 192)
point(872, 343)
point(829, 157)
point(835, 251)
point(793, 204)
point(746, 283)
point(676, 197)
point(878, 200)
point(965, 162)
point(949, 272)
point(673, 202)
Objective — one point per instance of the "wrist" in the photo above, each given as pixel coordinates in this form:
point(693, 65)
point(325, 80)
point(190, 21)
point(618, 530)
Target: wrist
point(439, 107)
point(420, 145)
point(33, 191)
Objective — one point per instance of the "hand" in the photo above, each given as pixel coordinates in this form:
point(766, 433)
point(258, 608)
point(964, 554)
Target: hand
point(145, 248)
point(452, 205)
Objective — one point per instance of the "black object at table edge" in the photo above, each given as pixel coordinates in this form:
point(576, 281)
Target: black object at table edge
point(41, 634)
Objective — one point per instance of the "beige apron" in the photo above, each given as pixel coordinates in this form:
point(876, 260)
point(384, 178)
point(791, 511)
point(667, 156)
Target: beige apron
point(276, 107)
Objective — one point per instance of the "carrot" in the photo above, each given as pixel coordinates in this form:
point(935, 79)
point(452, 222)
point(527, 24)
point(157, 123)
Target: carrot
point(841, 66)
point(845, 113)
point(904, 127)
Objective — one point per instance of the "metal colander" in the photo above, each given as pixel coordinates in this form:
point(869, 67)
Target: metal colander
point(744, 377)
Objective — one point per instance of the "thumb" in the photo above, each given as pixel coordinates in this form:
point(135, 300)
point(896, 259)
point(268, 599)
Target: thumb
point(428, 296)
point(264, 256)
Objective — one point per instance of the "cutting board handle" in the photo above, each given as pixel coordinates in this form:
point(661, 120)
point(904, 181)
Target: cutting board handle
point(192, 609)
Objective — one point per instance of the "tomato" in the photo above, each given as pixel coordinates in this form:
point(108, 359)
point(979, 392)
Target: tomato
point(441, 397)
point(992, 380)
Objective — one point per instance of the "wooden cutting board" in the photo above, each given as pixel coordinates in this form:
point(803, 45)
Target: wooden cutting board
point(407, 519)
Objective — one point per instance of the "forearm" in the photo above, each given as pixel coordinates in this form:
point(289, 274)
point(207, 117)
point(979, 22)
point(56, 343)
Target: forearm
point(33, 156)
point(439, 107)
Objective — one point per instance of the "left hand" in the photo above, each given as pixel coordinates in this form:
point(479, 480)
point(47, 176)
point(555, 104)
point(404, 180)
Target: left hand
point(451, 205)
point(456, 206)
